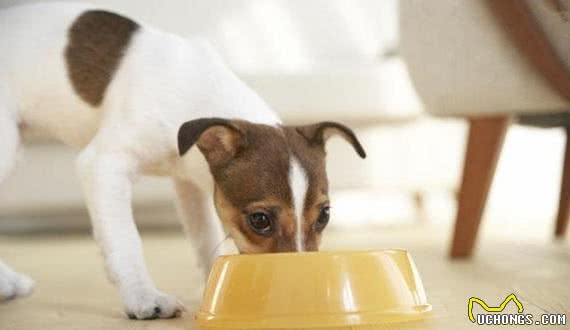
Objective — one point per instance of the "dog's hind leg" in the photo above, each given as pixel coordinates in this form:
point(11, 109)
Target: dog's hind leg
point(12, 284)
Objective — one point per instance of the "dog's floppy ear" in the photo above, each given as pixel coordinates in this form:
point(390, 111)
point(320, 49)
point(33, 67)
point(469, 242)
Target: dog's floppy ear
point(320, 132)
point(217, 138)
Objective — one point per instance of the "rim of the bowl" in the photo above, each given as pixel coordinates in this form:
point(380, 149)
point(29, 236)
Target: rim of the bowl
point(364, 318)
point(316, 253)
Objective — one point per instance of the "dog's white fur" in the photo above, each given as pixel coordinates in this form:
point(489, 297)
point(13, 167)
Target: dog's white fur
point(299, 185)
point(162, 82)
point(13, 284)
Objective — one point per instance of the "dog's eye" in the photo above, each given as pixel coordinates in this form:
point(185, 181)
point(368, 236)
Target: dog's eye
point(260, 223)
point(323, 218)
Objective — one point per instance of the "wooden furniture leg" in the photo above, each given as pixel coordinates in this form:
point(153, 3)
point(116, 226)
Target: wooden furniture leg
point(564, 204)
point(484, 144)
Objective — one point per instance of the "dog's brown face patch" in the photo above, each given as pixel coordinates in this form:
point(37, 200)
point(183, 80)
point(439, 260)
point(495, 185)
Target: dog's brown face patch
point(252, 166)
point(258, 181)
point(97, 41)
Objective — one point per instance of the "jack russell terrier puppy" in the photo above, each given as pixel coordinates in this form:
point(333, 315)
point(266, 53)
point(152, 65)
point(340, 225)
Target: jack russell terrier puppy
point(136, 100)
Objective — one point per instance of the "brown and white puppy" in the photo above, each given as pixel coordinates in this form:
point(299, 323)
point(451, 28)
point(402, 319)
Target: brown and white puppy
point(271, 187)
point(135, 100)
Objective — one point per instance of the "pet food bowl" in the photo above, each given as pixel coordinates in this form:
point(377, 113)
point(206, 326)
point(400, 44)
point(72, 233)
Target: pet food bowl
point(311, 290)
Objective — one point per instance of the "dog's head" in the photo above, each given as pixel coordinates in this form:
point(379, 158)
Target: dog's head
point(271, 187)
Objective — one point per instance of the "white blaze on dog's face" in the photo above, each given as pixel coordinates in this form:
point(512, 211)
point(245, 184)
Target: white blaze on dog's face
point(298, 184)
point(271, 187)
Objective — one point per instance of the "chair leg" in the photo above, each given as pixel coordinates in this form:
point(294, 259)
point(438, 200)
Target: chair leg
point(484, 144)
point(564, 204)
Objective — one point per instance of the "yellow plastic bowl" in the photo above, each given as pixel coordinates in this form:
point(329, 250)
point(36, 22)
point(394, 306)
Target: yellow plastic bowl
point(314, 289)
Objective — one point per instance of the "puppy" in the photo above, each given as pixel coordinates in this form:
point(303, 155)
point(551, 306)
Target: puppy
point(135, 101)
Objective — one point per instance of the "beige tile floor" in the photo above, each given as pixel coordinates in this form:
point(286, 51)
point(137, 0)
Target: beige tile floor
point(73, 293)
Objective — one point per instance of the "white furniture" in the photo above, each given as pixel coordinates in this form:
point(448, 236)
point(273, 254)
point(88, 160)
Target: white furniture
point(489, 61)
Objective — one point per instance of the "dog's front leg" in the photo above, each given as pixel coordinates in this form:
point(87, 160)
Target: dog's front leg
point(200, 224)
point(107, 181)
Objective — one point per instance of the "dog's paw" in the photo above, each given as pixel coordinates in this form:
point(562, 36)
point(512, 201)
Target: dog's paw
point(15, 285)
point(152, 305)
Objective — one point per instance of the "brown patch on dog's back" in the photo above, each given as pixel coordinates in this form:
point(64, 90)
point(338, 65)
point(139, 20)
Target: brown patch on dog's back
point(97, 42)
